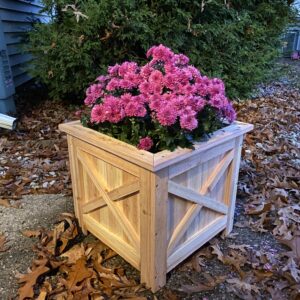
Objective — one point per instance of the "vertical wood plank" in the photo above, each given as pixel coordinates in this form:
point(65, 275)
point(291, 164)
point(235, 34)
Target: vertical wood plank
point(76, 184)
point(231, 183)
point(153, 218)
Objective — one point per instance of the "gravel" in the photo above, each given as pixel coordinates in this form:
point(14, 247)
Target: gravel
point(36, 211)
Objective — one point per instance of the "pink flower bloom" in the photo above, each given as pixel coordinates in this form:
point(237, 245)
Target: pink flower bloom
point(145, 87)
point(229, 113)
point(126, 84)
point(127, 97)
point(156, 77)
point(135, 109)
point(127, 67)
point(166, 115)
point(198, 103)
point(180, 59)
point(97, 115)
point(218, 101)
point(102, 79)
point(155, 102)
point(145, 143)
point(113, 110)
point(93, 93)
point(157, 88)
point(165, 90)
point(188, 89)
point(135, 79)
point(188, 122)
point(113, 84)
point(161, 53)
point(89, 100)
point(146, 71)
point(113, 70)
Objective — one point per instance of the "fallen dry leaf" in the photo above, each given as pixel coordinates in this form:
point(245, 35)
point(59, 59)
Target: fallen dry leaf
point(3, 242)
point(209, 284)
point(30, 279)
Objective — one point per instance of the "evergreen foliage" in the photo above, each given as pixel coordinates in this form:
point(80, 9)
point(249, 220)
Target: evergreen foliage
point(235, 40)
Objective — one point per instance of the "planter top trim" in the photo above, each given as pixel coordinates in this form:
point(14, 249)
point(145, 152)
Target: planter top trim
point(145, 159)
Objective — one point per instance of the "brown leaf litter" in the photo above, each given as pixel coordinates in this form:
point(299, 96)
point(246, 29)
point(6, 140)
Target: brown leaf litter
point(66, 271)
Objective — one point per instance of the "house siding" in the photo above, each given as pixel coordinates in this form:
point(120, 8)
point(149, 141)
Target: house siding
point(16, 18)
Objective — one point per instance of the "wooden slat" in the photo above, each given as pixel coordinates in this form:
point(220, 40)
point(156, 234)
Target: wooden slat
point(116, 243)
point(231, 183)
point(147, 160)
point(183, 226)
point(122, 150)
point(217, 173)
point(196, 159)
point(77, 191)
point(120, 217)
point(109, 158)
point(153, 218)
point(166, 158)
point(116, 194)
point(196, 241)
point(191, 195)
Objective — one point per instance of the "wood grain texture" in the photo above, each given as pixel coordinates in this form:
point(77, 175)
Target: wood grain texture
point(154, 209)
point(231, 183)
point(154, 193)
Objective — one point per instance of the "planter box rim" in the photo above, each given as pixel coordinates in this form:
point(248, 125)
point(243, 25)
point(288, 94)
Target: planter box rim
point(145, 159)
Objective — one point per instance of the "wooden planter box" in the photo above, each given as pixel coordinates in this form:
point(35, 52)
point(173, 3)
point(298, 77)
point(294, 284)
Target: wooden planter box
point(154, 209)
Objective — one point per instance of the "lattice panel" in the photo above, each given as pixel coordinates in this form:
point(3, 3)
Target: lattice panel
point(196, 199)
point(110, 197)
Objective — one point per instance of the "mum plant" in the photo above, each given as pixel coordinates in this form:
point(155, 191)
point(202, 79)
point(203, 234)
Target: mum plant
point(163, 104)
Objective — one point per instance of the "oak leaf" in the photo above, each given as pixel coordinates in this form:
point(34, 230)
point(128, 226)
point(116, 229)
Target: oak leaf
point(29, 280)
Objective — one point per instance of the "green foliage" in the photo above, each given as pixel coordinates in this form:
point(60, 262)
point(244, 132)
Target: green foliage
point(130, 130)
point(235, 40)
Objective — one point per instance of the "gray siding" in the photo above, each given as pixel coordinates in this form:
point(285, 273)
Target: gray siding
point(16, 17)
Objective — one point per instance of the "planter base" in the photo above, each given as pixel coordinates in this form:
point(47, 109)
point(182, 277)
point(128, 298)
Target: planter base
point(154, 209)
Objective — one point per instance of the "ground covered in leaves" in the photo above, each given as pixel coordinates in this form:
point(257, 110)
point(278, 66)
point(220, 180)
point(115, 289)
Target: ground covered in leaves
point(259, 260)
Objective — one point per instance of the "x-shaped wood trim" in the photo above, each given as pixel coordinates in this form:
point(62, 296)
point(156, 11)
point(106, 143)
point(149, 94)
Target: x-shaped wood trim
point(200, 199)
point(90, 169)
point(116, 194)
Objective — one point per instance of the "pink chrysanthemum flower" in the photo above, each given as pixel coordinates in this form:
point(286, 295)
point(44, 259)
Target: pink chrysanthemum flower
point(145, 143)
point(97, 114)
point(166, 115)
point(145, 87)
point(164, 91)
point(156, 77)
point(188, 122)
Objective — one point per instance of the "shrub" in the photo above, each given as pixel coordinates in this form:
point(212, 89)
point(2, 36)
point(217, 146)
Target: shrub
point(164, 104)
point(235, 40)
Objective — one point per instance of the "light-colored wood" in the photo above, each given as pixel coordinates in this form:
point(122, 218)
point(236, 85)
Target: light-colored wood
point(218, 172)
point(183, 226)
point(109, 144)
point(166, 158)
point(195, 197)
point(147, 160)
point(195, 159)
point(196, 241)
point(92, 172)
point(114, 195)
point(76, 186)
point(113, 241)
point(154, 209)
point(231, 183)
point(154, 190)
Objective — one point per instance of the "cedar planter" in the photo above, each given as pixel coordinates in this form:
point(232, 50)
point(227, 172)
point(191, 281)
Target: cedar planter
point(154, 209)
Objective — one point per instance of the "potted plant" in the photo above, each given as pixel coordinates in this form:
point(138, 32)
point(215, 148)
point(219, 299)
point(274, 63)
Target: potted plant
point(155, 163)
